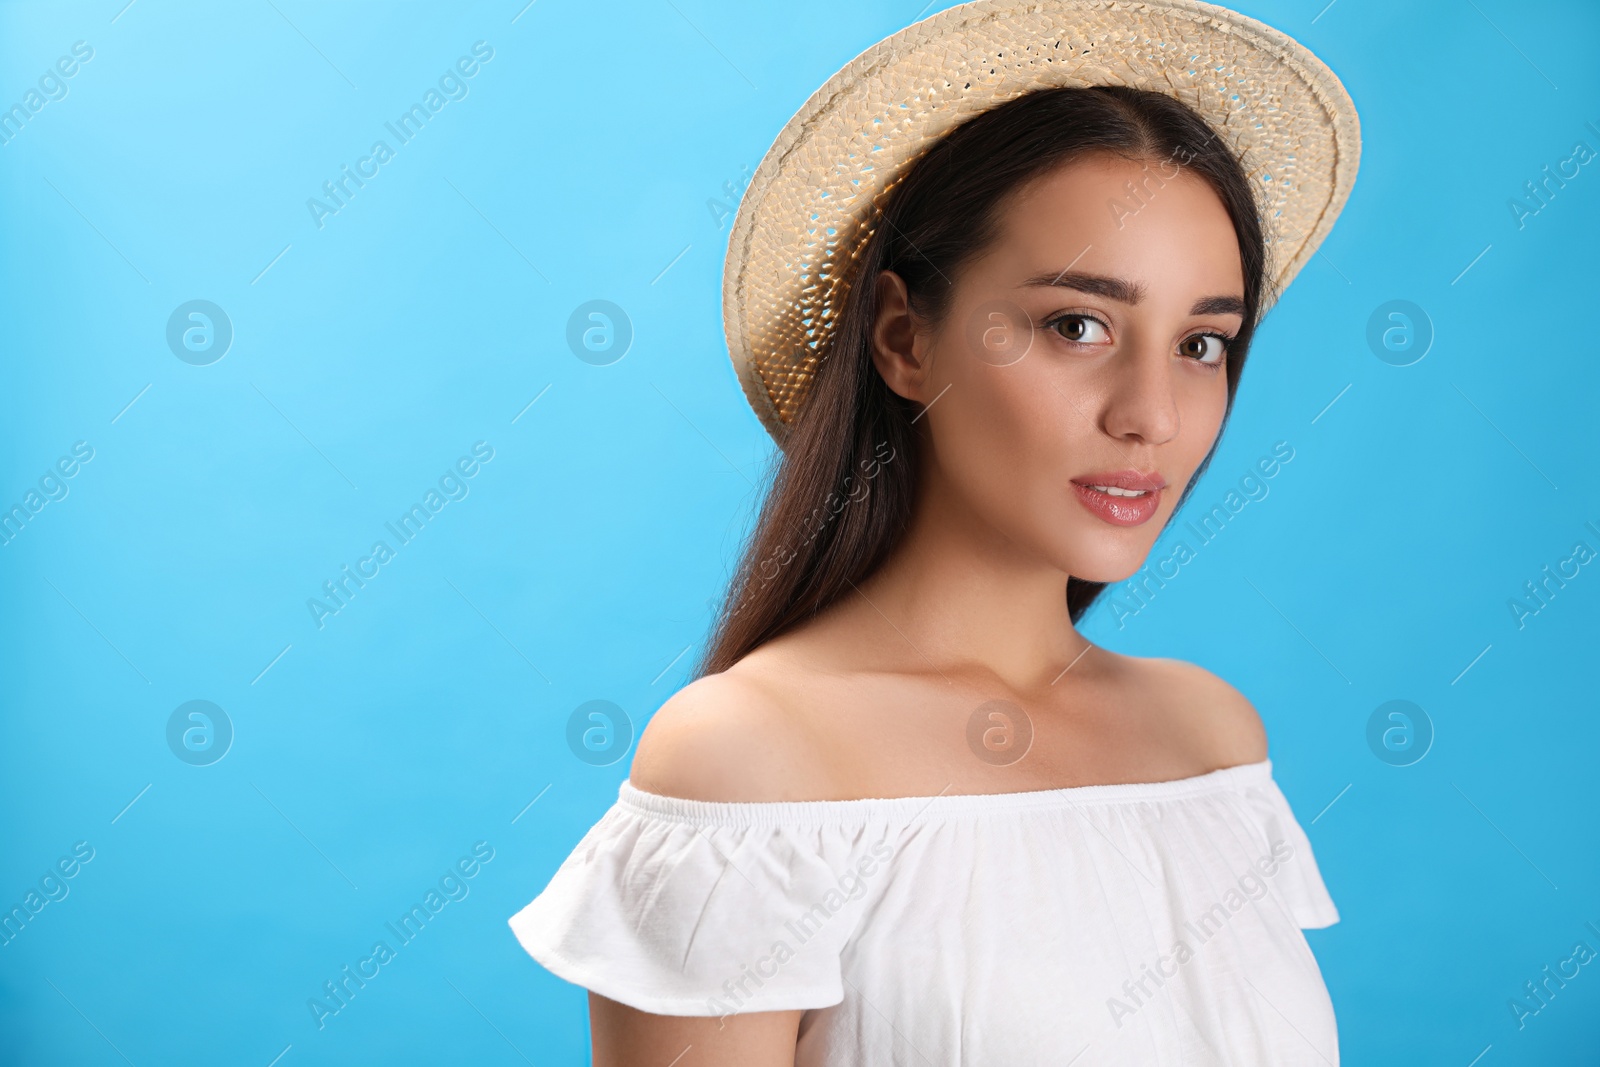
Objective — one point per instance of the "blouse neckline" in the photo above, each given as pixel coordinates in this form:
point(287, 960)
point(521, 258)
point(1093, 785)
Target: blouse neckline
point(784, 812)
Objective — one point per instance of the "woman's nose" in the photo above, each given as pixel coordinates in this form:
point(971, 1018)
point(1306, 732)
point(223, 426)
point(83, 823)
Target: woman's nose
point(1140, 399)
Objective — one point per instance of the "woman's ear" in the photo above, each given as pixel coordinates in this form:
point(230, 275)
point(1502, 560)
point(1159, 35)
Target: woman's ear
point(898, 347)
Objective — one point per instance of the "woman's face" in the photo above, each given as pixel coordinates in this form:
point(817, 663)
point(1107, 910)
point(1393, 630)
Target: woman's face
point(1086, 346)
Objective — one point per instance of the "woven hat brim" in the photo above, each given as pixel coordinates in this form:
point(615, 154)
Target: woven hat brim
point(811, 200)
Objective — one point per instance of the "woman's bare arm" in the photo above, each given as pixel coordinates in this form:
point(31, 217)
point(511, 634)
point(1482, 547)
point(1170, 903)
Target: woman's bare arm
point(721, 738)
point(626, 1037)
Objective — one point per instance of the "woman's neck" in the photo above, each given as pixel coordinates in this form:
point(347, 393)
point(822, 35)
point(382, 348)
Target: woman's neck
point(961, 595)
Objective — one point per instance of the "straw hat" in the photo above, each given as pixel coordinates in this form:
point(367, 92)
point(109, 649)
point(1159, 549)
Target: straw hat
point(810, 204)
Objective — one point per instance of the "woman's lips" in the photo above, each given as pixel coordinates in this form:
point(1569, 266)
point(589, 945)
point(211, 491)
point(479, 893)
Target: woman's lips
point(1119, 510)
point(1117, 506)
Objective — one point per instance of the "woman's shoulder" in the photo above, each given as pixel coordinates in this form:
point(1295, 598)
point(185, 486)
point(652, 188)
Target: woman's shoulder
point(757, 732)
point(1220, 720)
point(732, 736)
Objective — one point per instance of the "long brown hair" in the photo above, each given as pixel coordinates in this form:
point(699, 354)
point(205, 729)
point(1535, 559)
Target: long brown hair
point(815, 537)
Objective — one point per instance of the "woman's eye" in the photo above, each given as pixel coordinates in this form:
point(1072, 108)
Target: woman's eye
point(1081, 328)
point(1205, 347)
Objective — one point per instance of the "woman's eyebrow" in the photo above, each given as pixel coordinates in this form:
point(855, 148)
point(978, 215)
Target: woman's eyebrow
point(1218, 305)
point(1126, 292)
point(1118, 289)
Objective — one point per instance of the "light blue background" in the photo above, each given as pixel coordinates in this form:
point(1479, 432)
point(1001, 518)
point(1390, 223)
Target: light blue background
point(431, 310)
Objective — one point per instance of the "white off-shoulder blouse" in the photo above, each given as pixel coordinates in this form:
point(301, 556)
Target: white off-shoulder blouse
point(1148, 923)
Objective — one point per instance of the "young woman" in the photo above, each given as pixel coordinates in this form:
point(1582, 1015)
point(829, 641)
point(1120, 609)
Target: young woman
point(907, 813)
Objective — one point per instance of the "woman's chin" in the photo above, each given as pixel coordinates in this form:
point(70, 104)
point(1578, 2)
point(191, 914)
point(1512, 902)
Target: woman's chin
point(1107, 568)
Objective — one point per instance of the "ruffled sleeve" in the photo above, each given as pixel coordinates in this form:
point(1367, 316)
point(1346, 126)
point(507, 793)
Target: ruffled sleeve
point(1297, 877)
point(681, 907)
